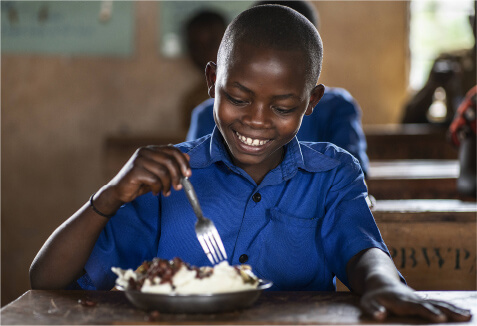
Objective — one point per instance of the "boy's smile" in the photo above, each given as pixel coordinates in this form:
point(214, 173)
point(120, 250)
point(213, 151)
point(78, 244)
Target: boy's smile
point(261, 96)
point(251, 142)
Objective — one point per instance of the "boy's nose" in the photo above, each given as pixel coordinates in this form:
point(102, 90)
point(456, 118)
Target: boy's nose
point(258, 116)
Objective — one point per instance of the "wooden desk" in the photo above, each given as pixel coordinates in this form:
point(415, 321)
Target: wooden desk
point(432, 242)
point(408, 141)
point(414, 179)
point(279, 308)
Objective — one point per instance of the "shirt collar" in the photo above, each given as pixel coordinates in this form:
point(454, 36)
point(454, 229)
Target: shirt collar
point(208, 151)
point(300, 155)
point(211, 149)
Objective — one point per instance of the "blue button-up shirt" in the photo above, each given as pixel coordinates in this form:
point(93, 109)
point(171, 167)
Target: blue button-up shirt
point(312, 217)
point(335, 119)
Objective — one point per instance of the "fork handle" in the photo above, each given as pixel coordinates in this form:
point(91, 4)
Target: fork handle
point(192, 196)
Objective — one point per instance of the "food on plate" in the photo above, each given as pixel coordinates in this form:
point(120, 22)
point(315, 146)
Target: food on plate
point(178, 277)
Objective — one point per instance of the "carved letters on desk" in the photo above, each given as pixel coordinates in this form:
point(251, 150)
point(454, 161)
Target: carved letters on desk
point(431, 252)
point(441, 258)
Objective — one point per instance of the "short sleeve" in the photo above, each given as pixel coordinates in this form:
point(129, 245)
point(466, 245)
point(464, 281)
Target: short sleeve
point(348, 226)
point(130, 237)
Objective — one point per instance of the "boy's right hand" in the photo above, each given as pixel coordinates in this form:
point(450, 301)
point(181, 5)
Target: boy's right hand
point(151, 168)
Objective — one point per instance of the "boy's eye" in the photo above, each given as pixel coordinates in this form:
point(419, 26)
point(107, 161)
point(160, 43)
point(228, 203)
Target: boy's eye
point(283, 111)
point(234, 100)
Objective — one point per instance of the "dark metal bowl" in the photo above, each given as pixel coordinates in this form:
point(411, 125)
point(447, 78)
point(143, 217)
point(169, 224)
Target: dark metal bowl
point(196, 303)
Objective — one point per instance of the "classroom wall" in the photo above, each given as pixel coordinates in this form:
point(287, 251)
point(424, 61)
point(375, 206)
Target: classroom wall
point(57, 111)
point(366, 51)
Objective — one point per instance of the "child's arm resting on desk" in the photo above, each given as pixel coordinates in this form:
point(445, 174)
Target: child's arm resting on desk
point(372, 274)
point(62, 258)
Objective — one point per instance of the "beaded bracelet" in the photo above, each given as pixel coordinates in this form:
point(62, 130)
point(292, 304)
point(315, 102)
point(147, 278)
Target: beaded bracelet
point(95, 209)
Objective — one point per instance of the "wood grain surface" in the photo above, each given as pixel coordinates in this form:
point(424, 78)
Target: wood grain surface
point(272, 308)
point(408, 141)
point(414, 179)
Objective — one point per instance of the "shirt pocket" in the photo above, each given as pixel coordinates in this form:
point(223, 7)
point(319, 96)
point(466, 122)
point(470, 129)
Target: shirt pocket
point(286, 251)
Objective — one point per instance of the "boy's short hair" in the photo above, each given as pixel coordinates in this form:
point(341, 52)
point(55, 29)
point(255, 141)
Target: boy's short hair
point(276, 27)
point(304, 7)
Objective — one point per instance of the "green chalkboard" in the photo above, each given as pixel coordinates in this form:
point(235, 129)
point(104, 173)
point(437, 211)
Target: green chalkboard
point(104, 28)
point(174, 14)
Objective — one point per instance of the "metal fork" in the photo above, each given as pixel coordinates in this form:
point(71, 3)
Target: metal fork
point(205, 229)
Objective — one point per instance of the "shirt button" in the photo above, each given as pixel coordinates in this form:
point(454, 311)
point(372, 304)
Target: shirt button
point(257, 197)
point(243, 258)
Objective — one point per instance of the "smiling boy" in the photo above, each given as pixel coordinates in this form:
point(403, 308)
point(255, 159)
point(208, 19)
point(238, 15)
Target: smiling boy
point(260, 93)
point(296, 212)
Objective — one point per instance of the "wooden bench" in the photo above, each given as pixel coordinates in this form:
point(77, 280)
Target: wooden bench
point(432, 242)
point(408, 141)
point(414, 179)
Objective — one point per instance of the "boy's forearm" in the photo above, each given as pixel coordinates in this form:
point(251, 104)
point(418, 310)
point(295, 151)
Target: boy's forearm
point(62, 258)
point(371, 269)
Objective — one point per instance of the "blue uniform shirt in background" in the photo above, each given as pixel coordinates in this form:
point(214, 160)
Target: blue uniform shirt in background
point(335, 119)
point(310, 219)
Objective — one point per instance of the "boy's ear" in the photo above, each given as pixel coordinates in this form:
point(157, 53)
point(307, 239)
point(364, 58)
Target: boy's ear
point(316, 95)
point(211, 76)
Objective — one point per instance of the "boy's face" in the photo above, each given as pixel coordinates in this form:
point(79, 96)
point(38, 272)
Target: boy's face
point(261, 96)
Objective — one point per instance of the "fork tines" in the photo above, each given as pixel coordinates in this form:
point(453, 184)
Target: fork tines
point(213, 246)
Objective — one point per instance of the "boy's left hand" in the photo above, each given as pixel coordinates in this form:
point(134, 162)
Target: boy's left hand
point(399, 299)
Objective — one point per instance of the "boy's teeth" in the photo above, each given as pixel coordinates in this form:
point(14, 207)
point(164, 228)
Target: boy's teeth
point(251, 142)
